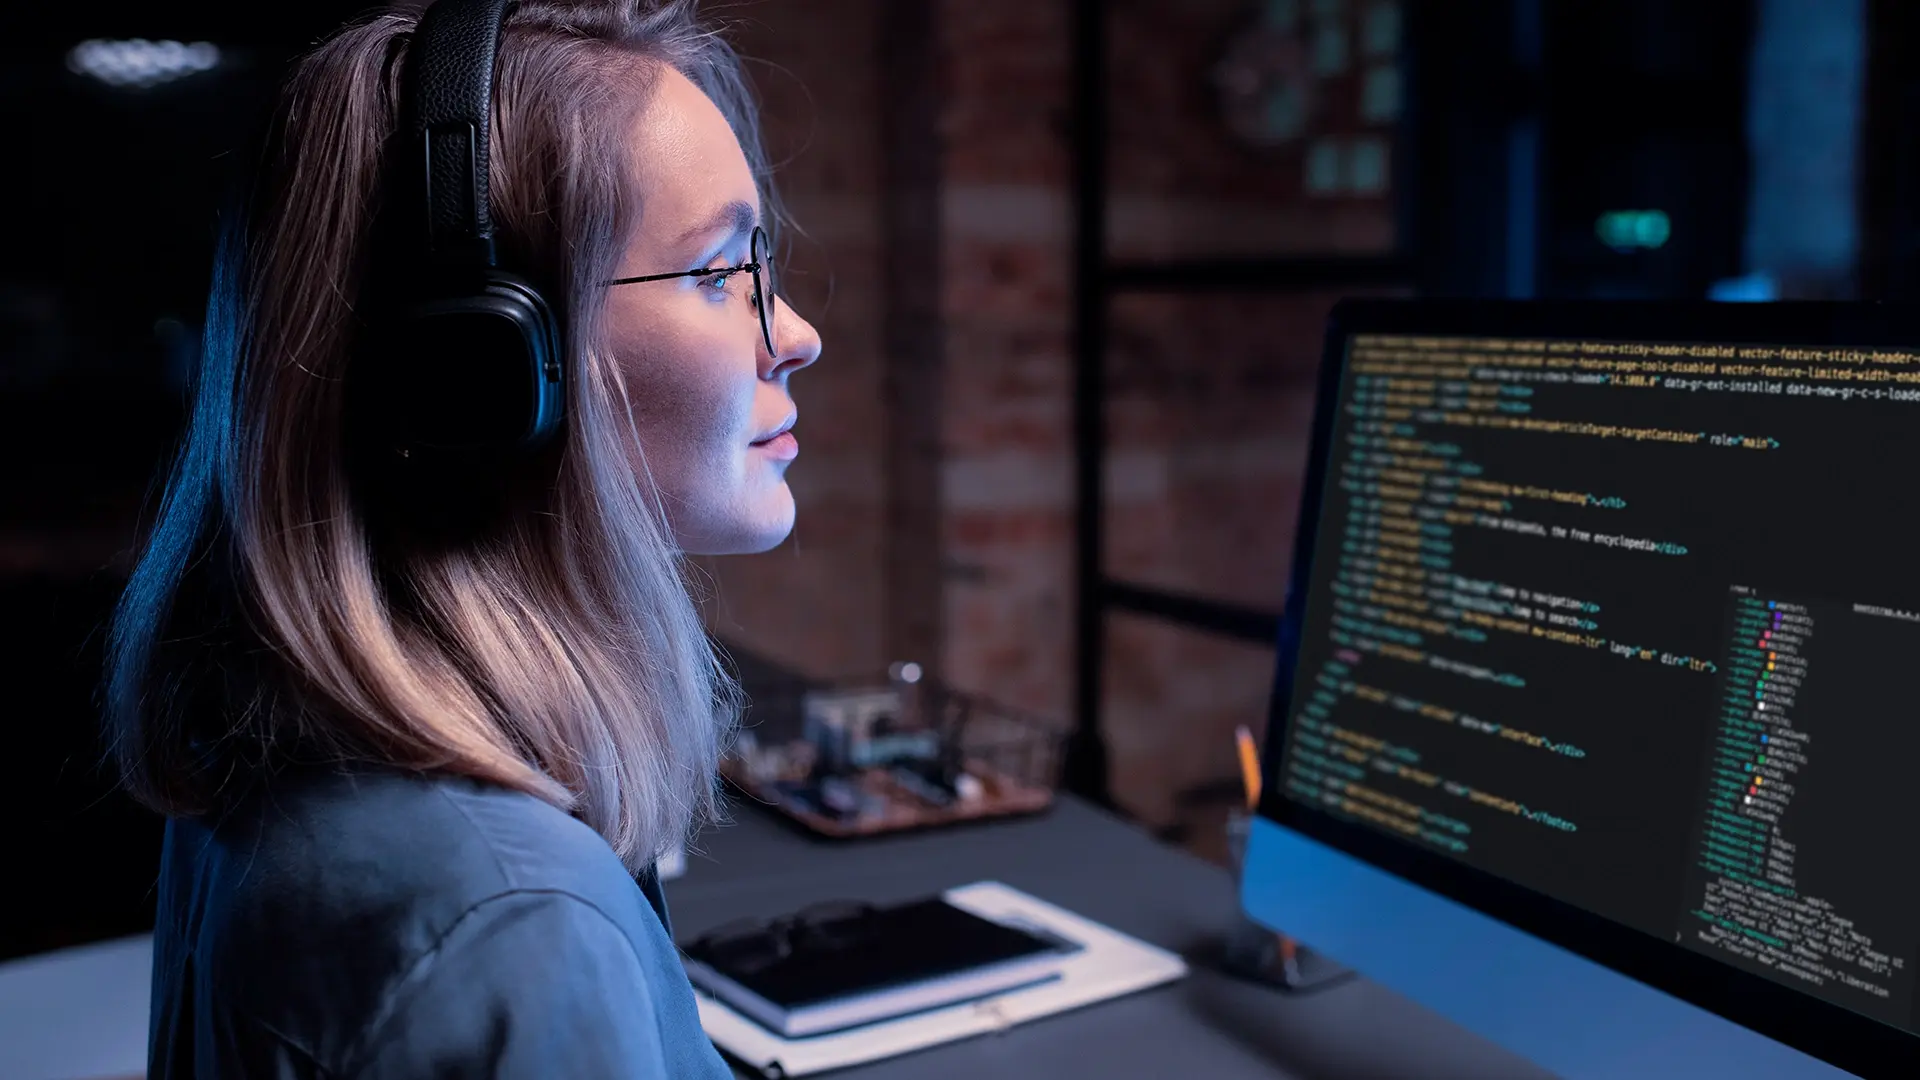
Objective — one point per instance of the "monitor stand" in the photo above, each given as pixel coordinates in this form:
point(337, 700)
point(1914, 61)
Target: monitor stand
point(1565, 1013)
point(1257, 954)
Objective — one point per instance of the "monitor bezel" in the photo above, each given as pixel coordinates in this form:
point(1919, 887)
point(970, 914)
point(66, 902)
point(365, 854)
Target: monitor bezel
point(1832, 1033)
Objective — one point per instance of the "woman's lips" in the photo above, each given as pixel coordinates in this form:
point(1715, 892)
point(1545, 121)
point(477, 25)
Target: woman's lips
point(783, 446)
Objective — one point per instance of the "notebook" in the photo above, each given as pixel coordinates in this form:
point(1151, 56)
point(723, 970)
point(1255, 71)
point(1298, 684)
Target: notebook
point(1107, 965)
point(872, 964)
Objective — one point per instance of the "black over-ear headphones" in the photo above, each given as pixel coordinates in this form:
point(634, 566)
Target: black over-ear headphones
point(469, 359)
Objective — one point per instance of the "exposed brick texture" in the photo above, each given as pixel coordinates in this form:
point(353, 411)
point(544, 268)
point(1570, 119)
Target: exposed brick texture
point(1008, 386)
point(1209, 414)
point(817, 603)
point(1211, 392)
point(1171, 700)
point(1209, 417)
point(1179, 185)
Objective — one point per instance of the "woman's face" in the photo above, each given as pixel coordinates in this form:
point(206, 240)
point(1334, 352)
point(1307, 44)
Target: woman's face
point(706, 394)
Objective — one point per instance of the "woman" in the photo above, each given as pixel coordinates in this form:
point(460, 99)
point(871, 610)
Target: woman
point(412, 773)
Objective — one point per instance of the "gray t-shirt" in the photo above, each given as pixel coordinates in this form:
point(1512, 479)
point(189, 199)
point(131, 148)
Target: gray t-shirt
point(375, 924)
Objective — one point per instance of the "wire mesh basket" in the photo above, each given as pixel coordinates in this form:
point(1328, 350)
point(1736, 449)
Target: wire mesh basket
point(894, 754)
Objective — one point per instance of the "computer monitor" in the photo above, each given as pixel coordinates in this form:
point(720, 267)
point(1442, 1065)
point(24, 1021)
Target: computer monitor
point(1595, 726)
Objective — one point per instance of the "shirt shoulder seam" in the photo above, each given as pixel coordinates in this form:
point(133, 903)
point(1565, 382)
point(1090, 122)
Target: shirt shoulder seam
point(390, 1000)
point(288, 1041)
point(486, 838)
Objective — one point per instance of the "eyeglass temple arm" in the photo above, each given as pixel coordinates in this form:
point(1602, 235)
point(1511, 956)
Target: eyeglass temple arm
point(750, 268)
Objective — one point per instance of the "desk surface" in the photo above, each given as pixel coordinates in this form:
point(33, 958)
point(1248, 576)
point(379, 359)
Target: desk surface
point(1208, 1024)
point(83, 1012)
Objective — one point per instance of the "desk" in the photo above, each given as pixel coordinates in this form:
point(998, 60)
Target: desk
point(1207, 1025)
point(83, 1012)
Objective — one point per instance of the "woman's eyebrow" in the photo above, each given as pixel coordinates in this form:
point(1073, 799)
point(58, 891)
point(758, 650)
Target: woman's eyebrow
point(737, 217)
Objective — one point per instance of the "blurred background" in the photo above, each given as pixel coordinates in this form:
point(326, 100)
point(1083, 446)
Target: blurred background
point(1071, 261)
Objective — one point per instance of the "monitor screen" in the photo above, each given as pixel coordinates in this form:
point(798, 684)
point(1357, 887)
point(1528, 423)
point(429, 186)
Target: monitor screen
point(1631, 621)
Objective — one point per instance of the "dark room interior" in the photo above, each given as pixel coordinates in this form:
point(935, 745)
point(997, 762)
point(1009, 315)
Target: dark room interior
point(1072, 262)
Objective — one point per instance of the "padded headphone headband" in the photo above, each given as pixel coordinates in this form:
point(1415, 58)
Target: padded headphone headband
point(449, 110)
point(465, 363)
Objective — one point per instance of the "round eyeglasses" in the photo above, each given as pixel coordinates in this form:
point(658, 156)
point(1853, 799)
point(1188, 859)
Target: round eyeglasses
point(752, 944)
point(759, 264)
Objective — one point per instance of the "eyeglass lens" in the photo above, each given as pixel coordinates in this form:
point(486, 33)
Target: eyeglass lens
point(762, 256)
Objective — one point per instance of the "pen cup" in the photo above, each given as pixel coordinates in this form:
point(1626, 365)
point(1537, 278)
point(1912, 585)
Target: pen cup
point(1239, 824)
point(1258, 954)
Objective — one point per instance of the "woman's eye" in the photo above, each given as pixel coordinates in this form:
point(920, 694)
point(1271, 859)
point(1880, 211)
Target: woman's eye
point(717, 280)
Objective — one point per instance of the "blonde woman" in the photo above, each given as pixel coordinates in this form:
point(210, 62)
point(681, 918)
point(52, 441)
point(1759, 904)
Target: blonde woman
point(421, 731)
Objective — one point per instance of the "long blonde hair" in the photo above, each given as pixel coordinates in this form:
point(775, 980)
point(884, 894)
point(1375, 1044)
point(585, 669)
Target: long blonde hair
point(560, 653)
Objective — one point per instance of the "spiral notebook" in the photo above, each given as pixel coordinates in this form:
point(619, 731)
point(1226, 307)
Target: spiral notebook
point(1106, 965)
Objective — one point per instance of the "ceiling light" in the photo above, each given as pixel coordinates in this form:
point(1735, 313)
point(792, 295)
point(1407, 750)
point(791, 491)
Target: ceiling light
point(141, 63)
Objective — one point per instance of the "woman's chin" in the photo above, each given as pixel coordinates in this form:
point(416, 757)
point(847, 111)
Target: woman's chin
point(766, 524)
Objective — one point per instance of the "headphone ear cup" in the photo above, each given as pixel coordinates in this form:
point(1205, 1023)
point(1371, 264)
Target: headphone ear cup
point(467, 370)
point(547, 367)
point(472, 374)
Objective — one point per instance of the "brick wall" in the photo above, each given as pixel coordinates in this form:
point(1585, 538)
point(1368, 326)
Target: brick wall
point(1000, 555)
point(1008, 363)
point(1211, 392)
point(1179, 185)
point(818, 602)
point(1171, 699)
point(1209, 410)
point(1210, 414)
